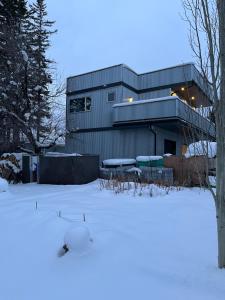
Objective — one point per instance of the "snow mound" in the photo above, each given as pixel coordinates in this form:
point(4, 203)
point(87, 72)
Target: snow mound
point(119, 161)
point(3, 185)
point(78, 239)
point(167, 154)
point(58, 154)
point(201, 148)
point(148, 158)
point(212, 181)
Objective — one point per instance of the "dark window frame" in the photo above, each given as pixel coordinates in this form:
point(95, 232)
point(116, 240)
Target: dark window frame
point(114, 96)
point(73, 108)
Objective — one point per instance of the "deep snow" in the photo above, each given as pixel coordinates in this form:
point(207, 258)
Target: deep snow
point(3, 185)
point(143, 247)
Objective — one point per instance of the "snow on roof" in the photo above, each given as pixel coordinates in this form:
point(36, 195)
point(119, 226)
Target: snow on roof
point(119, 161)
point(167, 154)
point(146, 101)
point(58, 154)
point(148, 158)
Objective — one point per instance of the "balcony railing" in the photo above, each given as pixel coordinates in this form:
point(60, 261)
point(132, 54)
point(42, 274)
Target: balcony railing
point(161, 109)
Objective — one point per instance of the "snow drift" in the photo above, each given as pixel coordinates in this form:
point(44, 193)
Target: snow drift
point(201, 148)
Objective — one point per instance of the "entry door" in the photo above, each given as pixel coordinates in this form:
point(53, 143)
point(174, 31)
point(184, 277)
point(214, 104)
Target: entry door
point(170, 147)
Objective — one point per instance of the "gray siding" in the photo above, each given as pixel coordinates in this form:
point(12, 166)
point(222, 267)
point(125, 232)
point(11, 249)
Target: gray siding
point(121, 143)
point(172, 107)
point(130, 77)
point(93, 79)
point(155, 94)
point(101, 110)
point(165, 77)
point(145, 110)
point(197, 77)
point(129, 93)
point(169, 76)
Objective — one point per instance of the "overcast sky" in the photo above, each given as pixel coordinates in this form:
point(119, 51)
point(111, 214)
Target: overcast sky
point(93, 34)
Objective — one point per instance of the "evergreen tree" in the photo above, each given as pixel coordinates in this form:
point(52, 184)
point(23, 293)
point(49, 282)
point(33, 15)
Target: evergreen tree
point(12, 15)
point(39, 31)
point(25, 100)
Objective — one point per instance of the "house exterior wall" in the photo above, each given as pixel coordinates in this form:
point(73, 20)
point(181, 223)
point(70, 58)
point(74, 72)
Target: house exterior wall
point(122, 143)
point(100, 114)
point(166, 77)
point(142, 110)
point(161, 108)
point(95, 79)
point(155, 94)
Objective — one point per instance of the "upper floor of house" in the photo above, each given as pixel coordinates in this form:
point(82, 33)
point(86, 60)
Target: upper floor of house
point(96, 99)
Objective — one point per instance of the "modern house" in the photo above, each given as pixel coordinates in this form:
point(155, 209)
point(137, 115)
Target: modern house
point(117, 113)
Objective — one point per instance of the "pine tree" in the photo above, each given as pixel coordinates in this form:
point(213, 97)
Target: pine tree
point(25, 100)
point(39, 31)
point(12, 14)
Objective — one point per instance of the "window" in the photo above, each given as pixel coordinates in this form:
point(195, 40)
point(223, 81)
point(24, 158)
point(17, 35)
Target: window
point(80, 104)
point(111, 96)
point(170, 147)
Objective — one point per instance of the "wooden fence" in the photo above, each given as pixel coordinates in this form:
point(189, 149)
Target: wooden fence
point(191, 171)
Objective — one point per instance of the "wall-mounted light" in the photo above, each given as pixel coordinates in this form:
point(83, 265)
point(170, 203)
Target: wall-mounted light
point(130, 99)
point(193, 98)
point(182, 89)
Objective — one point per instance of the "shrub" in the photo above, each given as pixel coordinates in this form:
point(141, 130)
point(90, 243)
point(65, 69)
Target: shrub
point(10, 168)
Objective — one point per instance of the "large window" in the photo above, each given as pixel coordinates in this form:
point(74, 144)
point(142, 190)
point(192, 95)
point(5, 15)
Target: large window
point(80, 104)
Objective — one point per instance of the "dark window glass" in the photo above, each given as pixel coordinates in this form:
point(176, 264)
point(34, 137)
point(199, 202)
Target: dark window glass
point(170, 147)
point(111, 96)
point(80, 104)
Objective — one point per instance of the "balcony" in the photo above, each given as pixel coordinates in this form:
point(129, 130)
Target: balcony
point(170, 108)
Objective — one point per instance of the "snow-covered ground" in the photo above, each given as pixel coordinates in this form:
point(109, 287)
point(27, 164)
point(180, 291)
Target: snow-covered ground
point(144, 247)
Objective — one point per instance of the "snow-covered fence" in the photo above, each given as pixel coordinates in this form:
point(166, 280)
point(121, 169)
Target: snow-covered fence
point(141, 174)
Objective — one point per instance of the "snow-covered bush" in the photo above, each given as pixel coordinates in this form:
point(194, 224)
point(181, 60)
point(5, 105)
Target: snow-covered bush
point(200, 148)
point(78, 239)
point(3, 185)
point(10, 167)
point(136, 188)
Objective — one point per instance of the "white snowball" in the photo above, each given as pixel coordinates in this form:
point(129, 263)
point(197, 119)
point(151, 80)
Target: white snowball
point(3, 185)
point(78, 239)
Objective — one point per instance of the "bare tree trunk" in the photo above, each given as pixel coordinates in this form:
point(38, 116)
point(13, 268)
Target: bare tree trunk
point(220, 124)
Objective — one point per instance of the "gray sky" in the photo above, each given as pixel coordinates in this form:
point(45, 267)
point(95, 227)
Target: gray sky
point(93, 34)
